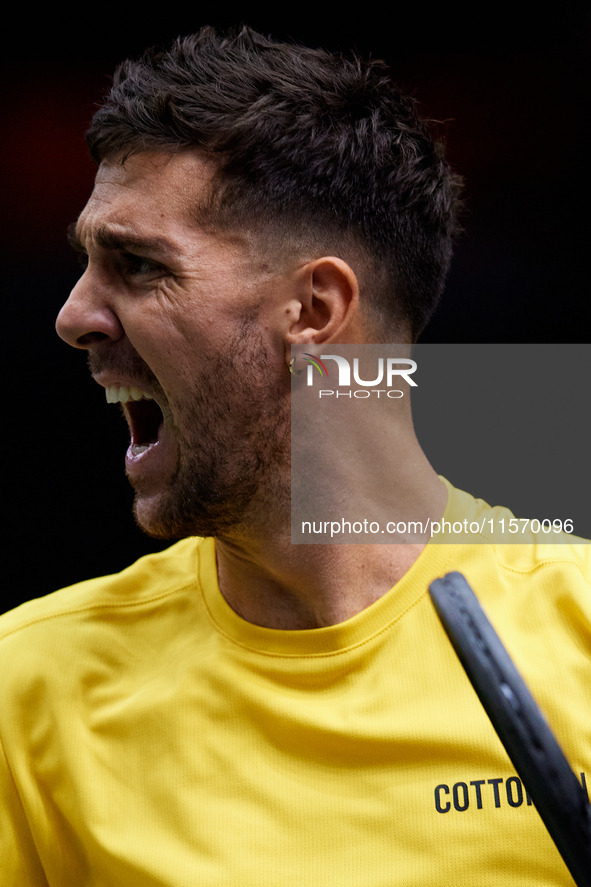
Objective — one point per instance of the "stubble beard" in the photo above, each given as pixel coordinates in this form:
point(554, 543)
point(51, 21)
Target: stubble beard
point(233, 444)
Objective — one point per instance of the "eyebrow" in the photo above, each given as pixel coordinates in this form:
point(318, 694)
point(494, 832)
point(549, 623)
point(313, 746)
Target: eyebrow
point(110, 240)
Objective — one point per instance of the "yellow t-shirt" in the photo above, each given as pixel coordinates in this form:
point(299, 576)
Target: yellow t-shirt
point(153, 738)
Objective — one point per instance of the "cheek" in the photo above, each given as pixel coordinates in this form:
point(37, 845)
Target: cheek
point(188, 326)
point(158, 332)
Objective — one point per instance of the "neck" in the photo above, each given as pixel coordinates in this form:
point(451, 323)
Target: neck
point(271, 582)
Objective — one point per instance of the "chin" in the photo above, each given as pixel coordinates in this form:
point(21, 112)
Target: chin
point(164, 523)
point(151, 521)
point(170, 518)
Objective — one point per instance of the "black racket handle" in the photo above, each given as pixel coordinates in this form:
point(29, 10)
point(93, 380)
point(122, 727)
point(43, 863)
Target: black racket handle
point(541, 764)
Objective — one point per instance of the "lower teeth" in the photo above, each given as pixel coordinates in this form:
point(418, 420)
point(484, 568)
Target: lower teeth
point(138, 449)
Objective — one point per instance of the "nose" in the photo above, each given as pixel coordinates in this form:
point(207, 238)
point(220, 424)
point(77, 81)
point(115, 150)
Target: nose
point(88, 317)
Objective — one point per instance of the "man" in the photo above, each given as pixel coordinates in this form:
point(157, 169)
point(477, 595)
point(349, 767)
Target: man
point(238, 709)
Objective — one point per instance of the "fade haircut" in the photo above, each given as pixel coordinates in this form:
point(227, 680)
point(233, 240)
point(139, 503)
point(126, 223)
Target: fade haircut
point(313, 150)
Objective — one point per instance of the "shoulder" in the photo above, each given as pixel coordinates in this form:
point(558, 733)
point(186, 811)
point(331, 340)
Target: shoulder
point(150, 579)
point(518, 559)
point(117, 631)
point(520, 543)
point(533, 582)
point(540, 557)
point(99, 643)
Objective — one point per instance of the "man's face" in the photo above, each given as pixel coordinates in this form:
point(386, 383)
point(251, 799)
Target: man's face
point(185, 328)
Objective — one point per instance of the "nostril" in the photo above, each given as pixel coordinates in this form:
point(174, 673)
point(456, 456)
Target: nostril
point(84, 323)
point(90, 339)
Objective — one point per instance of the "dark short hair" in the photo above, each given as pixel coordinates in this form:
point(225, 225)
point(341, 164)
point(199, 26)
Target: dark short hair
point(314, 147)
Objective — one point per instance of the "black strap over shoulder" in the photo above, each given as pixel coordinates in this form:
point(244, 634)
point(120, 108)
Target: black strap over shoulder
point(554, 789)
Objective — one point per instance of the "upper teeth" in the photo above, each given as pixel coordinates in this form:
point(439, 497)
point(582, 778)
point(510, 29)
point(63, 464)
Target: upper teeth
point(119, 394)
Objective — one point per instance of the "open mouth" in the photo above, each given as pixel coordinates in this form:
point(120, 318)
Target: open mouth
point(143, 415)
point(145, 420)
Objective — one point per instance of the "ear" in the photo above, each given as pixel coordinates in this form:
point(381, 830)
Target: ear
point(328, 301)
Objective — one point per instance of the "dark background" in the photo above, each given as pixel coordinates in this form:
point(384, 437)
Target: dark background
point(514, 93)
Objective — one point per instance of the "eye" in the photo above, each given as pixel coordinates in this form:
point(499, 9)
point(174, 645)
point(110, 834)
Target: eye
point(138, 266)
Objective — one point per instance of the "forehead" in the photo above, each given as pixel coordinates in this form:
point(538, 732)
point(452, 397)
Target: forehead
point(150, 193)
